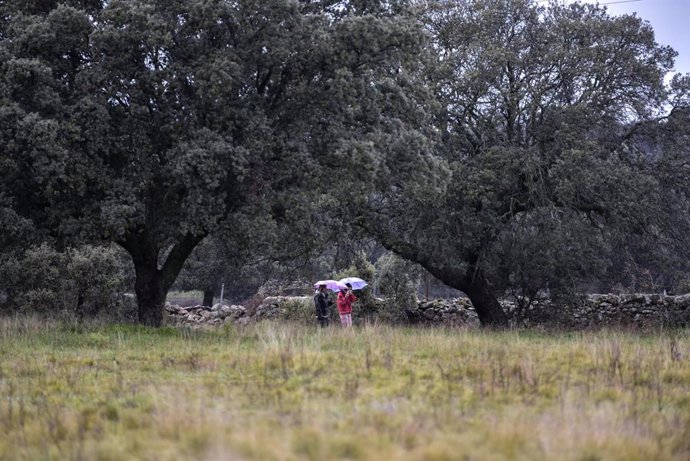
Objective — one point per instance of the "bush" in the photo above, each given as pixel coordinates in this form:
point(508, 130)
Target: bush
point(95, 277)
point(36, 280)
point(82, 282)
point(300, 310)
point(396, 279)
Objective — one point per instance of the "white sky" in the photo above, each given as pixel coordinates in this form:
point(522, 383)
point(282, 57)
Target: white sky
point(669, 18)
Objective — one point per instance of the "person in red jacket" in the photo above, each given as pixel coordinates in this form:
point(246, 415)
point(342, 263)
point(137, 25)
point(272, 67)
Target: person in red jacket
point(345, 300)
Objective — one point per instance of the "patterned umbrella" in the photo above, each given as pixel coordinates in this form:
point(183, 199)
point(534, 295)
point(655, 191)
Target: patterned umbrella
point(332, 285)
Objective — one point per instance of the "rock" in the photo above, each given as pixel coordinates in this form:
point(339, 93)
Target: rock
point(236, 312)
point(429, 314)
point(464, 302)
point(243, 321)
point(636, 298)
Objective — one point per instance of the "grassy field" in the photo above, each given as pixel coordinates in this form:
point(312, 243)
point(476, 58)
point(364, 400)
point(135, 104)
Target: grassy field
point(283, 392)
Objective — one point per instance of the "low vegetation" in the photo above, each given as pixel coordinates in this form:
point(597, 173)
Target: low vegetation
point(281, 391)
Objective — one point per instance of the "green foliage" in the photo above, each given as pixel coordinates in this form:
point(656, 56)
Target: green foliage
point(511, 145)
point(82, 282)
point(397, 281)
point(531, 269)
point(153, 124)
point(300, 311)
point(544, 175)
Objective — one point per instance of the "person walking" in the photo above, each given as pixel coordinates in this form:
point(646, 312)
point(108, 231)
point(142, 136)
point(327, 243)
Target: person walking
point(345, 300)
point(322, 304)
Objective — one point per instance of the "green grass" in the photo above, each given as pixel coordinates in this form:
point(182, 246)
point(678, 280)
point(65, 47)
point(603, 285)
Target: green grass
point(284, 392)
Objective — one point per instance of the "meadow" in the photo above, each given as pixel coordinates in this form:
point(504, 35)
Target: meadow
point(290, 392)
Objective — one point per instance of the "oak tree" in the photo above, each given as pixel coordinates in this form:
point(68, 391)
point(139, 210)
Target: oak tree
point(150, 123)
point(538, 104)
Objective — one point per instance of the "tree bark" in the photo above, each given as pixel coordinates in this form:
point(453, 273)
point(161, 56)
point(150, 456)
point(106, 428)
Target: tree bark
point(208, 297)
point(153, 283)
point(80, 306)
point(471, 282)
point(151, 294)
point(485, 303)
point(477, 289)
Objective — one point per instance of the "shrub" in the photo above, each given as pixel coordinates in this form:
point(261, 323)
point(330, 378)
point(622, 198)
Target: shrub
point(39, 281)
point(81, 282)
point(96, 279)
point(396, 280)
point(299, 310)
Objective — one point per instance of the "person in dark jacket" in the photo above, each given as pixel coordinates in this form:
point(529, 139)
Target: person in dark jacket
point(322, 304)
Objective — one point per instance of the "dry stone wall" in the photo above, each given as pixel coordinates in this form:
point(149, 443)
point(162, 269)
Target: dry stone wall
point(272, 307)
point(444, 312)
point(198, 316)
point(634, 310)
point(597, 310)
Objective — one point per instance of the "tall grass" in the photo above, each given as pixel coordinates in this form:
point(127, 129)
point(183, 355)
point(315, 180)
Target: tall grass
point(284, 392)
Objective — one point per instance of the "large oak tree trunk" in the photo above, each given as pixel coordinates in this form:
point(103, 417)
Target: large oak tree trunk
point(151, 294)
point(477, 289)
point(153, 282)
point(485, 303)
point(472, 283)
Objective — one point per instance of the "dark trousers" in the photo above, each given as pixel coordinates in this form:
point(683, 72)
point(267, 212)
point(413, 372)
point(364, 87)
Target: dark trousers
point(322, 316)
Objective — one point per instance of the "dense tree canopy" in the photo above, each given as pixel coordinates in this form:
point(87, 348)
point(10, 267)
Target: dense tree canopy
point(511, 145)
point(538, 108)
point(151, 122)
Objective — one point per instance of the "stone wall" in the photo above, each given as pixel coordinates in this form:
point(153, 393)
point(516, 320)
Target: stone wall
point(204, 315)
point(444, 312)
point(597, 310)
point(634, 310)
point(272, 307)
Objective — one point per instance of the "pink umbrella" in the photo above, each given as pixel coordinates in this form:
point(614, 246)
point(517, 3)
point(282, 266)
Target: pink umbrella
point(332, 285)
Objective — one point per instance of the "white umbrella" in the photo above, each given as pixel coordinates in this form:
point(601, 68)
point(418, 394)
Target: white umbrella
point(356, 282)
point(332, 285)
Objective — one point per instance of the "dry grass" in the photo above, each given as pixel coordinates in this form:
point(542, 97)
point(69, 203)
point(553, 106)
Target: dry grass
point(284, 392)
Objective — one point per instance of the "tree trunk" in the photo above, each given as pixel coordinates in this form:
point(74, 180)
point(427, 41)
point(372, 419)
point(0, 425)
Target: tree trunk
point(471, 282)
point(477, 289)
point(486, 305)
point(151, 294)
point(80, 306)
point(152, 283)
point(208, 297)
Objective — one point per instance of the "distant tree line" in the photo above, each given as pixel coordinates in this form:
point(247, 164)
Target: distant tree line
point(512, 147)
